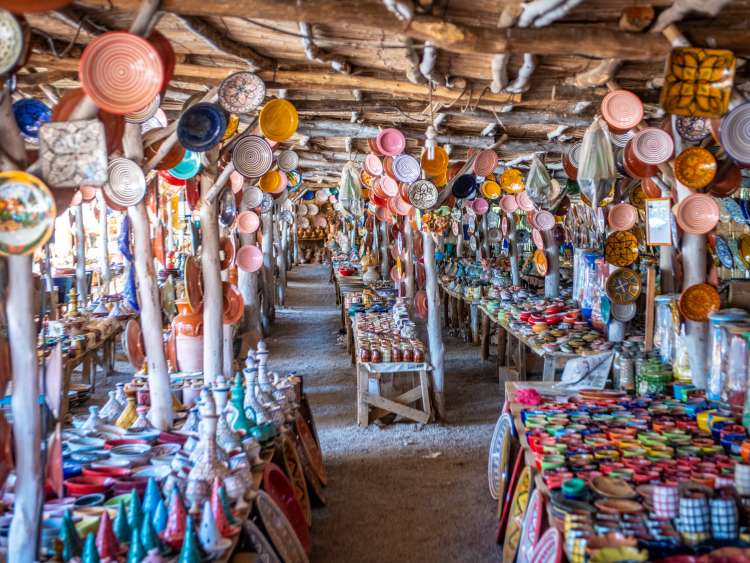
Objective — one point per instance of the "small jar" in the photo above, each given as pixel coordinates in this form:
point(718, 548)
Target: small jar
point(396, 354)
point(375, 356)
point(364, 354)
point(385, 351)
point(418, 354)
point(407, 353)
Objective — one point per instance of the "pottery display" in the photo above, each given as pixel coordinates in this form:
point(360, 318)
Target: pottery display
point(188, 330)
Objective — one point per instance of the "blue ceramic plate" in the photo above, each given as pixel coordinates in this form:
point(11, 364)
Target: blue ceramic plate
point(724, 253)
point(464, 186)
point(30, 116)
point(201, 127)
point(188, 167)
point(733, 209)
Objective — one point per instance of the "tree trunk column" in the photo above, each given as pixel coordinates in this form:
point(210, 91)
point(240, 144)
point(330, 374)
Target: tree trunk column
point(435, 337)
point(106, 274)
point(385, 269)
point(81, 286)
point(268, 276)
point(409, 265)
point(213, 317)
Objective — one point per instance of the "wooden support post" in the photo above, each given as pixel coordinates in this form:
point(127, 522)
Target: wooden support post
point(105, 273)
point(81, 286)
point(385, 267)
point(227, 356)
point(474, 323)
point(29, 488)
point(213, 301)
point(485, 240)
point(515, 274)
point(268, 277)
point(409, 261)
point(248, 286)
point(281, 261)
point(435, 336)
point(552, 279)
point(160, 413)
point(486, 335)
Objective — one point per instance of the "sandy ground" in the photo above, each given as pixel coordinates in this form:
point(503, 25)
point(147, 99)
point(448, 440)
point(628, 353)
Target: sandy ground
point(397, 493)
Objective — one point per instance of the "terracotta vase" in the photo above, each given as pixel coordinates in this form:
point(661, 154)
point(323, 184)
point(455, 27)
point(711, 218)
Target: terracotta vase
point(188, 331)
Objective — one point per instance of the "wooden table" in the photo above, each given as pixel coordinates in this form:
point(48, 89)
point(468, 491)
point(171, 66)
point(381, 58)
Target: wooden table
point(455, 305)
point(367, 371)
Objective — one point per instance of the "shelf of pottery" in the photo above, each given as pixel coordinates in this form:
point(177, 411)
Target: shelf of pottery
point(243, 461)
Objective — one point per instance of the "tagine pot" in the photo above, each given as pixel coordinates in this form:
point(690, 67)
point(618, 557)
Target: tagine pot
point(188, 330)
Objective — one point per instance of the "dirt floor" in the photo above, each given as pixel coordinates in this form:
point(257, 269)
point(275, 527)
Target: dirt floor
point(397, 493)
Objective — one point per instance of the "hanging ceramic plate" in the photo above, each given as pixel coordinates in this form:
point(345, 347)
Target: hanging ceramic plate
point(549, 548)
point(622, 217)
point(544, 220)
point(390, 142)
point(695, 167)
point(652, 146)
point(253, 197)
point(622, 110)
point(193, 276)
point(297, 477)
point(233, 305)
point(423, 194)
point(697, 214)
point(261, 546)
point(406, 168)
point(735, 133)
point(30, 115)
point(279, 530)
point(540, 261)
point(485, 163)
point(698, 301)
point(621, 248)
point(373, 165)
point(189, 166)
point(249, 258)
point(511, 180)
point(531, 526)
point(287, 160)
point(11, 42)
point(623, 286)
point(252, 156)
point(623, 312)
point(692, 129)
point(278, 120)
point(248, 222)
point(119, 71)
point(723, 252)
point(145, 113)
point(499, 458)
point(226, 248)
point(27, 213)
point(509, 203)
point(436, 166)
point(135, 347)
point(536, 236)
point(126, 184)
point(241, 92)
point(201, 127)
point(524, 202)
point(490, 189)
point(281, 490)
point(517, 510)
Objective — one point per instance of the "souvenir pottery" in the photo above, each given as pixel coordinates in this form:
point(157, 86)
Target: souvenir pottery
point(189, 551)
point(499, 458)
point(261, 545)
point(12, 41)
point(287, 160)
point(206, 465)
point(652, 146)
point(211, 541)
point(406, 168)
point(147, 535)
point(695, 168)
point(697, 214)
point(571, 161)
point(621, 248)
point(248, 222)
point(623, 286)
point(531, 527)
point(692, 129)
point(226, 438)
point(90, 553)
point(735, 133)
point(511, 180)
point(390, 142)
point(112, 408)
point(119, 70)
point(174, 532)
point(151, 498)
point(252, 157)
point(201, 127)
point(697, 301)
point(114, 125)
point(464, 186)
point(145, 113)
point(279, 530)
point(485, 162)
point(278, 120)
point(30, 115)
point(622, 110)
point(187, 327)
point(188, 167)
point(159, 517)
point(126, 184)
point(517, 510)
point(249, 258)
point(241, 92)
point(120, 525)
point(622, 217)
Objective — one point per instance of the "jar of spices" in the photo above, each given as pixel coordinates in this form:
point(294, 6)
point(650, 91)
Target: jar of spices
point(418, 354)
point(385, 351)
point(375, 355)
point(364, 354)
point(407, 353)
point(396, 355)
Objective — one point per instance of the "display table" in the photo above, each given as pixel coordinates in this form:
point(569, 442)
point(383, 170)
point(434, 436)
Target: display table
point(454, 313)
point(398, 405)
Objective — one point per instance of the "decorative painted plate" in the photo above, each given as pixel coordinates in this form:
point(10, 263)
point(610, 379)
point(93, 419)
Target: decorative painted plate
point(652, 146)
point(297, 477)
point(27, 213)
point(692, 129)
point(517, 510)
point(723, 252)
point(145, 113)
point(233, 305)
point(511, 180)
point(120, 71)
point(698, 300)
point(695, 167)
point(201, 127)
point(621, 248)
point(499, 459)
point(698, 82)
point(743, 249)
point(544, 220)
point(11, 41)
point(193, 276)
point(531, 527)
point(622, 110)
point(264, 552)
point(282, 491)
point(623, 312)
point(623, 286)
point(279, 530)
point(622, 217)
point(241, 92)
point(735, 133)
point(423, 194)
point(549, 548)
point(278, 120)
point(135, 349)
point(406, 168)
point(30, 115)
point(437, 165)
point(314, 486)
point(490, 189)
point(189, 166)
point(503, 503)
point(390, 142)
point(311, 448)
point(252, 156)
point(126, 184)
point(485, 163)
point(287, 160)
point(73, 153)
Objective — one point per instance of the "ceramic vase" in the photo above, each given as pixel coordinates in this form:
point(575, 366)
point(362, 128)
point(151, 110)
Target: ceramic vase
point(129, 413)
point(226, 438)
point(188, 331)
point(252, 402)
point(110, 412)
point(206, 465)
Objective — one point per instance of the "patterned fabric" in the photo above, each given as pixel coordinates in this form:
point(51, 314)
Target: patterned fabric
point(666, 501)
point(694, 516)
point(724, 516)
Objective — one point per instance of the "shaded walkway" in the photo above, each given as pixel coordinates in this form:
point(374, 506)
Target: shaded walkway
point(395, 494)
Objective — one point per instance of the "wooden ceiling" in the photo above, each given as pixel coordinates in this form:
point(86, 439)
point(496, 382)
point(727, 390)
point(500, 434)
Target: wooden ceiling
point(353, 66)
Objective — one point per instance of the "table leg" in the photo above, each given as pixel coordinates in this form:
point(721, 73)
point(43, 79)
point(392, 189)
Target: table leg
point(362, 408)
point(424, 383)
point(446, 310)
point(474, 320)
point(548, 375)
point(485, 337)
point(521, 360)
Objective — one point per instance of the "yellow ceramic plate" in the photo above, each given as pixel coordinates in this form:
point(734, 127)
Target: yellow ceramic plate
point(490, 189)
point(540, 261)
point(517, 511)
point(695, 167)
point(437, 165)
point(511, 181)
point(232, 123)
point(27, 213)
point(623, 286)
point(269, 181)
point(278, 120)
point(621, 248)
point(638, 197)
point(744, 249)
point(697, 301)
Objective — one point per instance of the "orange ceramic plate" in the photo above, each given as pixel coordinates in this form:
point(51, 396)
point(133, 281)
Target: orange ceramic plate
point(511, 180)
point(621, 248)
point(278, 120)
point(540, 261)
point(695, 167)
point(437, 165)
point(623, 286)
point(697, 301)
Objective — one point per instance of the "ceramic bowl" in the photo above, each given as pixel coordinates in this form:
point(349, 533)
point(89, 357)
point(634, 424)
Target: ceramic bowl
point(136, 454)
point(201, 126)
point(109, 463)
point(30, 115)
point(106, 472)
point(158, 472)
point(124, 485)
point(85, 444)
point(96, 499)
point(80, 486)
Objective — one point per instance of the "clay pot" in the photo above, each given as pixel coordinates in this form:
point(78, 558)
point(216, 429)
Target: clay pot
point(635, 167)
point(188, 330)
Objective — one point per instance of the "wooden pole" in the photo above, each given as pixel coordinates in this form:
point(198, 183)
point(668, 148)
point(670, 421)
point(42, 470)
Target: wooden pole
point(248, 286)
point(29, 488)
point(160, 391)
point(281, 262)
point(227, 357)
point(268, 276)
point(81, 286)
point(485, 240)
point(515, 274)
point(434, 334)
point(106, 274)
point(213, 321)
point(552, 279)
point(409, 260)
point(385, 267)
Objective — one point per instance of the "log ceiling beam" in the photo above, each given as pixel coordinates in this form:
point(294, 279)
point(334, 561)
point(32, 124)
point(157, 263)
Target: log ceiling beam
point(585, 40)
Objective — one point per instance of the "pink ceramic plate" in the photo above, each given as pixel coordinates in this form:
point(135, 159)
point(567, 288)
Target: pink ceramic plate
point(622, 109)
point(373, 165)
point(536, 236)
point(544, 220)
point(524, 201)
point(652, 146)
point(406, 168)
point(549, 548)
point(697, 214)
point(401, 207)
point(485, 162)
point(236, 181)
point(504, 226)
point(389, 186)
point(382, 214)
point(622, 217)
point(480, 205)
point(531, 527)
point(249, 258)
point(391, 141)
point(509, 203)
point(247, 222)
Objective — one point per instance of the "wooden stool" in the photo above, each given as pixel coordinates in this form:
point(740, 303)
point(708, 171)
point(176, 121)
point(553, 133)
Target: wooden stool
point(398, 405)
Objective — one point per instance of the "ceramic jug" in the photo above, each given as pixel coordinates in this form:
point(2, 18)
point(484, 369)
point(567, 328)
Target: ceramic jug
point(188, 330)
